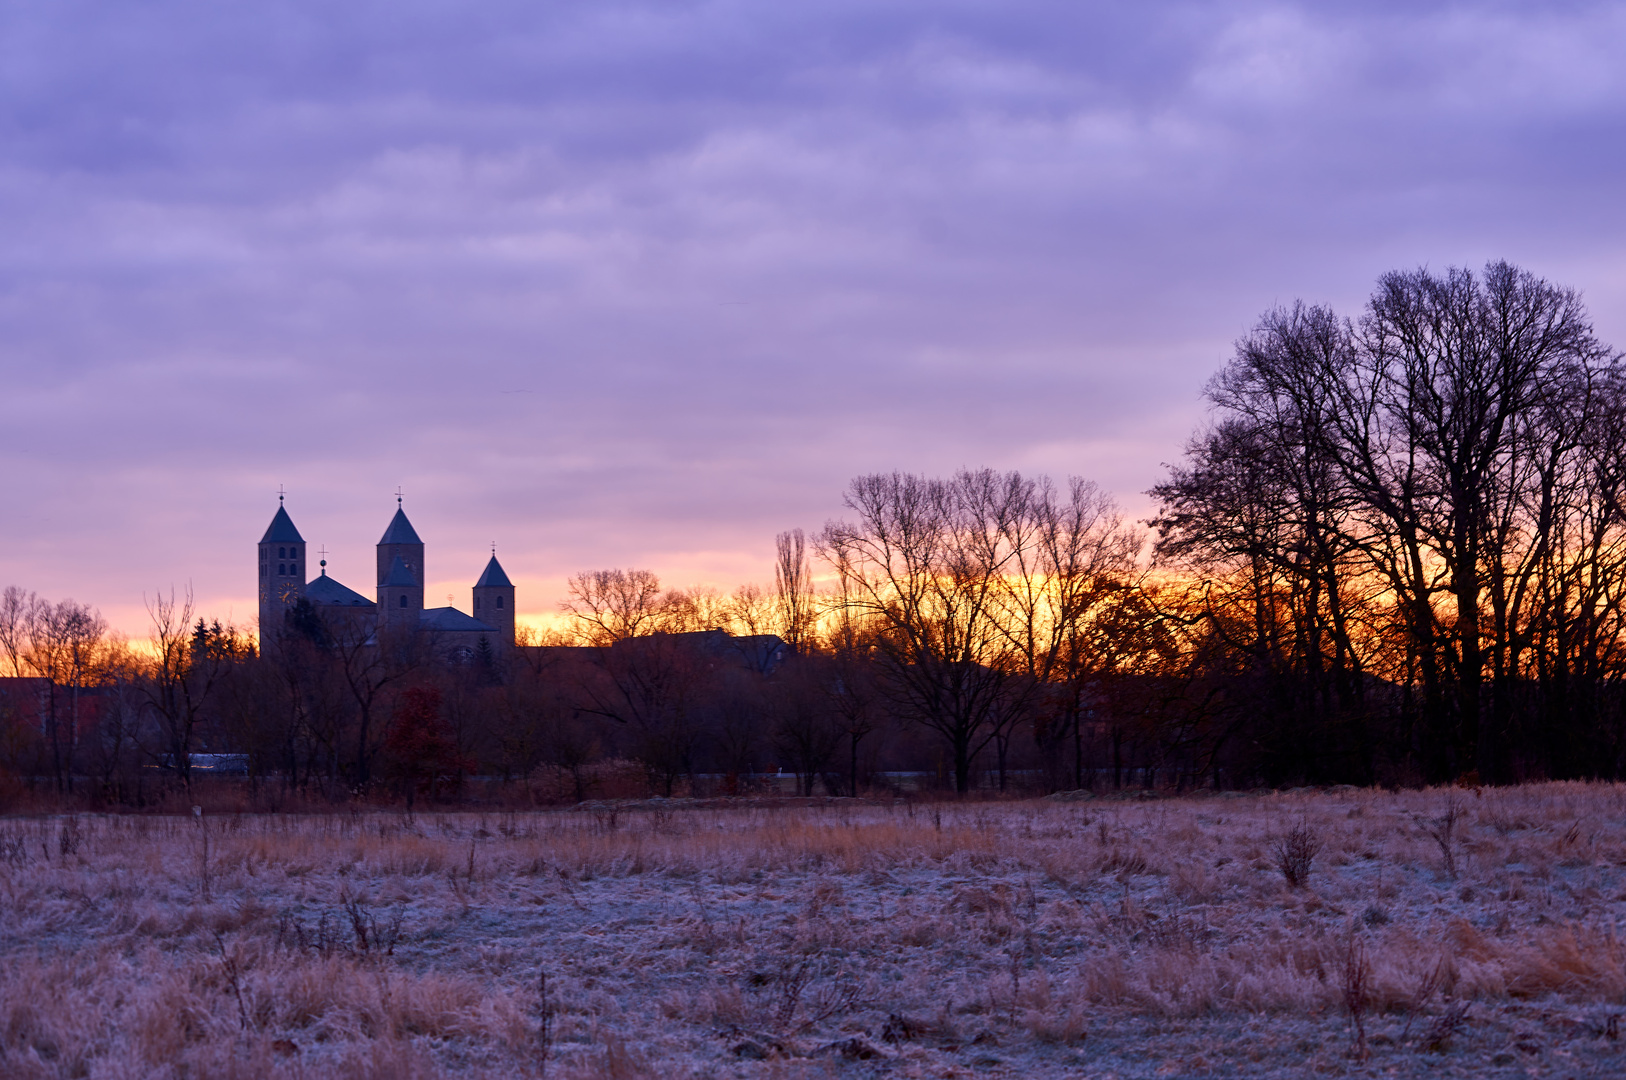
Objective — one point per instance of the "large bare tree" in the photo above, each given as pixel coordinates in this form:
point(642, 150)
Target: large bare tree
point(923, 563)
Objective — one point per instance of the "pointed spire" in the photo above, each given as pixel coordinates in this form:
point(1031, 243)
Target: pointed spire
point(281, 529)
point(400, 530)
point(493, 576)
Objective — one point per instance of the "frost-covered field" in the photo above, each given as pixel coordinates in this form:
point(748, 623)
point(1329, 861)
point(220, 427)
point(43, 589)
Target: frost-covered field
point(1107, 937)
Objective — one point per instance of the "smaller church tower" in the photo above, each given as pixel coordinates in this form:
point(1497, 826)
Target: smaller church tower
point(282, 573)
point(494, 601)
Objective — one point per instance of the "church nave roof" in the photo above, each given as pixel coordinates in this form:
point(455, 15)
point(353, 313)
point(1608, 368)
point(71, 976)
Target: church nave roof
point(324, 590)
point(449, 618)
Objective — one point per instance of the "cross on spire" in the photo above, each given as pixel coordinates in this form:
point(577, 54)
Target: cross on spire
point(280, 493)
point(397, 496)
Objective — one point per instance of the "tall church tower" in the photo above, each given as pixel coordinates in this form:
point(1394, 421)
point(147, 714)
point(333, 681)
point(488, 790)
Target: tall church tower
point(400, 572)
point(494, 600)
point(282, 572)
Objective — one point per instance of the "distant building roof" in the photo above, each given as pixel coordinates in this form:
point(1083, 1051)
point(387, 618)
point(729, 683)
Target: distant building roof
point(762, 653)
point(282, 531)
point(758, 652)
point(449, 618)
point(399, 574)
point(400, 530)
point(493, 577)
point(324, 590)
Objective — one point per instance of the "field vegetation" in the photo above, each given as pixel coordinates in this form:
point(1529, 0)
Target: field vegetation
point(1345, 932)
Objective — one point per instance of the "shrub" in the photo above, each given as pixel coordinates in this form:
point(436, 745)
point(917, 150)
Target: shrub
point(1295, 851)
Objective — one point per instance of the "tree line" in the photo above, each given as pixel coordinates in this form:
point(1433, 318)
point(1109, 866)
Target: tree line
point(1402, 536)
point(1395, 552)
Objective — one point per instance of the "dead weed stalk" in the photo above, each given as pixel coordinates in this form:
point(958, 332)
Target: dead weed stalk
point(1357, 992)
point(234, 978)
point(1444, 832)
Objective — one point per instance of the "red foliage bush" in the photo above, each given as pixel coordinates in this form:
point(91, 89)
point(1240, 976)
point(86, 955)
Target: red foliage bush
point(419, 751)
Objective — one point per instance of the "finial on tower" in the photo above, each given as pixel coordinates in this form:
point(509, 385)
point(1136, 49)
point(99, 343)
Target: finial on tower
point(280, 494)
point(322, 551)
point(397, 496)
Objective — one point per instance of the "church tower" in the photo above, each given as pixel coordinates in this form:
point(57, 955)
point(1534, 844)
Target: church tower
point(282, 572)
point(494, 601)
point(400, 572)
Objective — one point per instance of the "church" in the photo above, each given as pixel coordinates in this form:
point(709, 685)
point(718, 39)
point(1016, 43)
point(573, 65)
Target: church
point(400, 603)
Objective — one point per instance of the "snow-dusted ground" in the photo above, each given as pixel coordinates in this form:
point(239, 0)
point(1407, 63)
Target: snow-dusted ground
point(1109, 937)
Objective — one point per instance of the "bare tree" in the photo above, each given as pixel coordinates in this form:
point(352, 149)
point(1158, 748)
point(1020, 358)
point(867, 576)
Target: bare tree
point(699, 607)
point(64, 642)
point(751, 610)
point(16, 607)
point(655, 687)
point(1420, 496)
point(793, 587)
point(190, 664)
point(1445, 418)
point(607, 606)
point(845, 679)
point(1262, 510)
point(923, 564)
point(737, 736)
point(806, 734)
point(1062, 603)
point(113, 759)
point(370, 665)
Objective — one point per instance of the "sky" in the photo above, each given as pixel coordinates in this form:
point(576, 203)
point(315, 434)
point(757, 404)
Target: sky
point(642, 284)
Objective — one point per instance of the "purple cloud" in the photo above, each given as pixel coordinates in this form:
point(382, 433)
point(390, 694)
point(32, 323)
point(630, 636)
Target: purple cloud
point(641, 284)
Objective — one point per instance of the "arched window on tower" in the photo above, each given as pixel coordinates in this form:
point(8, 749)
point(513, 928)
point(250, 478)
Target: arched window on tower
point(282, 553)
point(403, 600)
point(499, 601)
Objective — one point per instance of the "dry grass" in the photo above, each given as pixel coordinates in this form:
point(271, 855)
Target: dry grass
point(1144, 936)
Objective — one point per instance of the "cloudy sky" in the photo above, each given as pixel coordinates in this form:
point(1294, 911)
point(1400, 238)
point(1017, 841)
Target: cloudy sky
point(620, 284)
